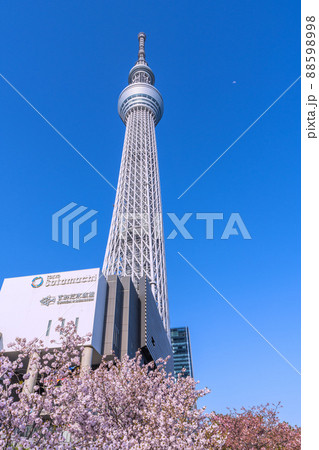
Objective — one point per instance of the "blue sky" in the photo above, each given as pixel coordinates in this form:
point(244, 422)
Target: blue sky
point(71, 60)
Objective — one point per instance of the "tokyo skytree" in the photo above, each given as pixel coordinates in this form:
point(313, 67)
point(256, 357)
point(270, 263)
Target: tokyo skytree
point(136, 241)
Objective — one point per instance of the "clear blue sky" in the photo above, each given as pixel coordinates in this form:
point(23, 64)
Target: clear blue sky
point(71, 60)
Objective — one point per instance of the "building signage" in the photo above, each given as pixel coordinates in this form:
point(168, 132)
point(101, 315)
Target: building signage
point(37, 282)
point(47, 301)
point(69, 298)
point(57, 280)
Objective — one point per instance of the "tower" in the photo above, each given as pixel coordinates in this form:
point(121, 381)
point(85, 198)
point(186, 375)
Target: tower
point(135, 245)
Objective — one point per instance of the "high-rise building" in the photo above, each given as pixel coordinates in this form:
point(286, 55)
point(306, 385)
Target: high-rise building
point(181, 346)
point(135, 246)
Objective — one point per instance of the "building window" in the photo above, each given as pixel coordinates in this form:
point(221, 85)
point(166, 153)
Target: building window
point(48, 328)
point(116, 337)
point(76, 324)
point(62, 324)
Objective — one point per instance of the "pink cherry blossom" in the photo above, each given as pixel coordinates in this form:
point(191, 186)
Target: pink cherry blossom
point(257, 428)
point(122, 404)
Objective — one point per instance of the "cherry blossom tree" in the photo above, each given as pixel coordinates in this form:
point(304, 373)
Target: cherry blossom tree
point(257, 428)
point(122, 404)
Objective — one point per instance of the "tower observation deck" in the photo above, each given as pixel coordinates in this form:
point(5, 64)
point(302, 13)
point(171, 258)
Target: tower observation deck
point(136, 241)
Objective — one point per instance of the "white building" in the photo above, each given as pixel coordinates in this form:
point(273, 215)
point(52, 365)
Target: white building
point(31, 307)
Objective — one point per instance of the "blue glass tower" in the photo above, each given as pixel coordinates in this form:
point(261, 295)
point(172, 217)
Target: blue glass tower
point(182, 353)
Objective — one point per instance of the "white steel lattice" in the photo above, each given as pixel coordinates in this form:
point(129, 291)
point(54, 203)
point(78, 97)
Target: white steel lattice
point(136, 241)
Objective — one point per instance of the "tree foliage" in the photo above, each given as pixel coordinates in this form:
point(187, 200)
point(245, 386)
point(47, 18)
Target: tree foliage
point(122, 404)
point(257, 428)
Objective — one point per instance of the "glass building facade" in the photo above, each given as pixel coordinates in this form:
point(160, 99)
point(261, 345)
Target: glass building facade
point(182, 353)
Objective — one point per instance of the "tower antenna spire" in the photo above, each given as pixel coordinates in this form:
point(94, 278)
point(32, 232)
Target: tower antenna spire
point(141, 49)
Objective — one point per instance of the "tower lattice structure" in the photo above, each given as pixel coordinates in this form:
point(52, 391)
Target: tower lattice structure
point(136, 241)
